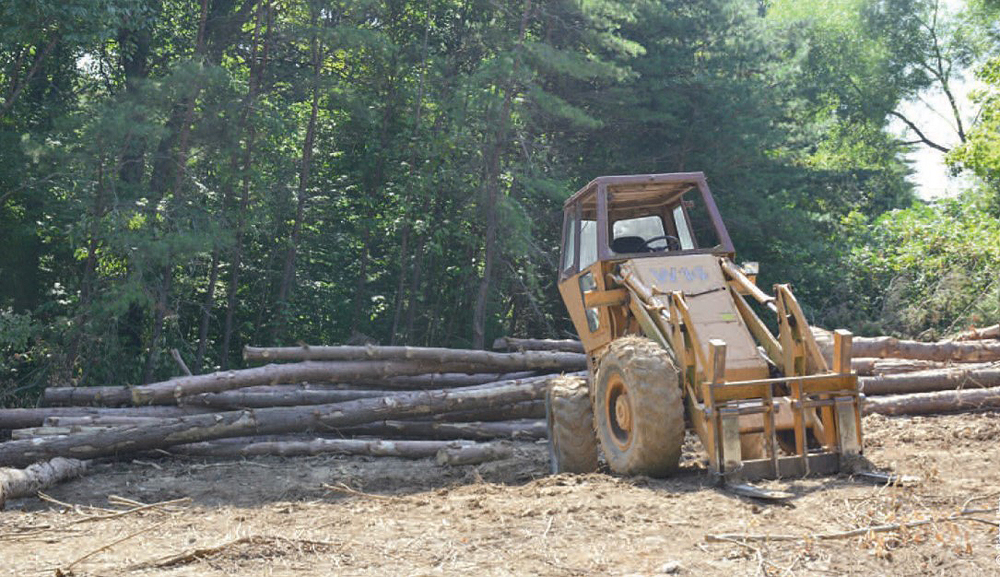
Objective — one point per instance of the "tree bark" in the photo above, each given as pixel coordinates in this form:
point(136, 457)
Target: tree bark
point(475, 430)
point(991, 332)
point(258, 64)
point(883, 347)
point(473, 454)
point(16, 483)
point(485, 360)
point(938, 380)
point(409, 449)
point(867, 367)
point(197, 428)
point(167, 391)
point(100, 421)
point(446, 380)
point(206, 310)
point(512, 344)
point(524, 410)
point(936, 402)
point(245, 399)
point(24, 418)
point(288, 271)
point(122, 396)
point(492, 185)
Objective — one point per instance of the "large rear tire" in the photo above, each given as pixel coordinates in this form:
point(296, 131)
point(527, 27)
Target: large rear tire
point(570, 419)
point(639, 408)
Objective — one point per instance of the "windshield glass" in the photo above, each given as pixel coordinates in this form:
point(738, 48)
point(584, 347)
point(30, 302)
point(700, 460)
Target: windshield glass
point(629, 235)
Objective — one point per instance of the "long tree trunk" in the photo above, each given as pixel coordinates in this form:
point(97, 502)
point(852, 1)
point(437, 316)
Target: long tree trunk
point(484, 360)
point(23, 418)
point(935, 380)
point(169, 391)
point(961, 351)
point(179, 163)
point(936, 402)
point(512, 344)
point(258, 65)
point(199, 428)
point(206, 310)
point(292, 448)
point(122, 396)
point(492, 184)
point(476, 431)
point(404, 246)
point(288, 271)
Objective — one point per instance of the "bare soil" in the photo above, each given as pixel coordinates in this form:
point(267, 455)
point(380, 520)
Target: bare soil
point(275, 516)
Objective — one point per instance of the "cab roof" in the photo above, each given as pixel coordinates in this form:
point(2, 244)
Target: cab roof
point(642, 189)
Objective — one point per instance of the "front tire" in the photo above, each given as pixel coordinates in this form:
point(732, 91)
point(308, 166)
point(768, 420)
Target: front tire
point(639, 408)
point(570, 421)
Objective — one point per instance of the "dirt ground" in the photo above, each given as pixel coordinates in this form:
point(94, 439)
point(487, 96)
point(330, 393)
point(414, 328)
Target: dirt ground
point(273, 516)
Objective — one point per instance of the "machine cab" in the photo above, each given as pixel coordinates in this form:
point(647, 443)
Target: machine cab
point(617, 218)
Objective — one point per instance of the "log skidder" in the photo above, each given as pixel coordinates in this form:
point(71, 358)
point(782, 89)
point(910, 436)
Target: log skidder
point(649, 281)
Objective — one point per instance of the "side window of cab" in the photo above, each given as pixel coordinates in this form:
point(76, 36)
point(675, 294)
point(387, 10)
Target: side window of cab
point(569, 244)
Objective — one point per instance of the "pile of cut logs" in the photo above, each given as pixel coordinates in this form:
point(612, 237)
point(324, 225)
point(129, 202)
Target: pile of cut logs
point(454, 405)
point(457, 406)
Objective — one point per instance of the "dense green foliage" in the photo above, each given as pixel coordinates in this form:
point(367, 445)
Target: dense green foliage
point(928, 271)
point(205, 174)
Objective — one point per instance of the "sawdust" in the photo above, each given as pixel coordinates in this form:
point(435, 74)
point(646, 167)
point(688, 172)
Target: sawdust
point(273, 516)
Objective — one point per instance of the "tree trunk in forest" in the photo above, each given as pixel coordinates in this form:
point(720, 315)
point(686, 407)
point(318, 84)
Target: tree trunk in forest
point(492, 184)
point(206, 311)
point(288, 271)
point(207, 427)
point(935, 402)
point(936, 380)
point(961, 351)
point(16, 483)
point(184, 115)
point(412, 301)
point(258, 64)
point(404, 254)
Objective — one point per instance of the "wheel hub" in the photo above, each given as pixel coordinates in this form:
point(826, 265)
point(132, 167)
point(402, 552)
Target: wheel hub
point(618, 409)
point(622, 412)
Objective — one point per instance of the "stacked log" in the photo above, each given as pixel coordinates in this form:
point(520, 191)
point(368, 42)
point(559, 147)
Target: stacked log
point(379, 401)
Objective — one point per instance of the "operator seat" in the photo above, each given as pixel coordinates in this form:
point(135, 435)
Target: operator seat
point(629, 245)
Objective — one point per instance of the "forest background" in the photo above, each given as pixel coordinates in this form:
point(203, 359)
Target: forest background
point(204, 174)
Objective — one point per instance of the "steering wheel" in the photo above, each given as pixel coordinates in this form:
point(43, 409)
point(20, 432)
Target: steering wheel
point(673, 243)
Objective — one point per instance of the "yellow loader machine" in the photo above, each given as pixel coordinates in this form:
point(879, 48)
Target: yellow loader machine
point(648, 276)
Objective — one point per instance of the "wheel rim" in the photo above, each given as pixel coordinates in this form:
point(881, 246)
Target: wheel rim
point(618, 412)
